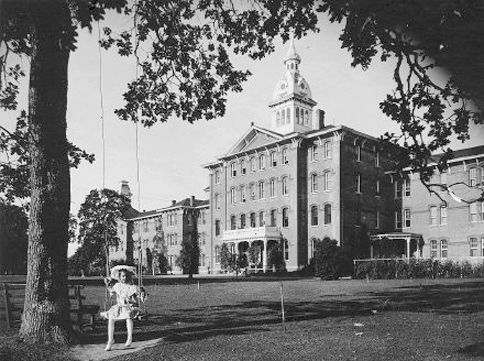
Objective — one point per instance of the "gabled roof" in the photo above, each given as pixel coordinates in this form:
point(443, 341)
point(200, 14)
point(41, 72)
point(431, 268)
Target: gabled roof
point(255, 137)
point(181, 204)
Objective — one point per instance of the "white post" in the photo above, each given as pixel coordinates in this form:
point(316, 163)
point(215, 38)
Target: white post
point(408, 248)
point(264, 257)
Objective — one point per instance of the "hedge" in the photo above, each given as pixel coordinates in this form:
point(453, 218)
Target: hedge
point(416, 268)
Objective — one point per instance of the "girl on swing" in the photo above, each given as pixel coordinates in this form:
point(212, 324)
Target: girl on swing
point(127, 302)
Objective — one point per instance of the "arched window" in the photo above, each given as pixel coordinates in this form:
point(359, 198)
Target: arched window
point(252, 220)
point(312, 250)
point(284, 186)
point(283, 116)
point(217, 254)
point(314, 215)
point(233, 196)
point(285, 217)
point(473, 177)
point(285, 160)
point(297, 115)
point(306, 117)
point(327, 213)
point(278, 118)
point(273, 217)
point(434, 248)
point(262, 222)
point(286, 250)
point(232, 223)
point(242, 221)
point(261, 189)
point(288, 116)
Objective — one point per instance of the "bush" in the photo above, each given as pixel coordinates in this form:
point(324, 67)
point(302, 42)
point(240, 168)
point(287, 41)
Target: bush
point(417, 268)
point(330, 262)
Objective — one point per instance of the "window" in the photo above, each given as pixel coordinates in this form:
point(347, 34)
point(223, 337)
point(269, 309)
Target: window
point(273, 217)
point(377, 158)
point(232, 223)
point(252, 190)
point(242, 193)
point(233, 196)
point(313, 152)
point(433, 215)
point(285, 218)
point(261, 189)
point(284, 156)
point(314, 183)
point(288, 115)
point(286, 250)
point(314, 215)
point(242, 221)
point(233, 170)
point(326, 181)
point(272, 187)
point(278, 118)
point(327, 150)
point(443, 215)
point(252, 220)
point(217, 227)
point(444, 248)
point(398, 188)
point(312, 251)
point(283, 116)
point(306, 117)
point(474, 248)
point(433, 248)
point(474, 210)
point(217, 254)
point(443, 177)
point(262, 222)
point(297, 115)
point(406, 186)
point(327, 214)
point(406, 217)
point(243, 169)
point(358, 153)
point(217, 177)
point(252, 164)
point(262, 161)
point(473, 177)
point(273, 159)
point(284, 186)
point(398, 219)
point(217, 201)
point(358, 183)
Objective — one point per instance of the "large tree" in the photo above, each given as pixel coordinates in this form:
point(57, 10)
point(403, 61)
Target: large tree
point(185, 70)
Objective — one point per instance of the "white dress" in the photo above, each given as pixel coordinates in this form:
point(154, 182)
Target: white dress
point(126, 302)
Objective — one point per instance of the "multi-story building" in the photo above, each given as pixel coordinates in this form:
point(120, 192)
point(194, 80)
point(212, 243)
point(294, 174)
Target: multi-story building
point(149, 234)
point(450, 221)
point(298, 182)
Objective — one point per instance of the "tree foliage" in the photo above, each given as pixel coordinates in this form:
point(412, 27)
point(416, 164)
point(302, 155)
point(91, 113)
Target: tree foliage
point(189, 258)
point(330, 261)
point(98, 220)
point(13, 239)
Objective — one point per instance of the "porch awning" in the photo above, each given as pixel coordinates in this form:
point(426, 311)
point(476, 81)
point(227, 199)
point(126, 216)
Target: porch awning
point(396, 235)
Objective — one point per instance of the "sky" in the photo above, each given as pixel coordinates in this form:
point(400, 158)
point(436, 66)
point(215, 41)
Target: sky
point(172, 154)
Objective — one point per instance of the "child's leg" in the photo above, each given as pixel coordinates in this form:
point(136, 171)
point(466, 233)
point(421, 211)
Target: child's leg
point(129, 328)
point(110, 334)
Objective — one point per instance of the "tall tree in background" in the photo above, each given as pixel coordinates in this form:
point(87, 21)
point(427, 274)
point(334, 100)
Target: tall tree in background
point(13, 239)
point(182, 49)
point(98, 227)
point(189, 258)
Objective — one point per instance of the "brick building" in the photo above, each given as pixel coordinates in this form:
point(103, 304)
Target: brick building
point(300, 181)
point(451, 228)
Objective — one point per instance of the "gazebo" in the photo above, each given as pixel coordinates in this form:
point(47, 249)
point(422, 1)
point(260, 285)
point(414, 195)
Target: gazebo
point(399, 244)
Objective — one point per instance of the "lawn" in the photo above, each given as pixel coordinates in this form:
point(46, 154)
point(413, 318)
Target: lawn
point(325, 320)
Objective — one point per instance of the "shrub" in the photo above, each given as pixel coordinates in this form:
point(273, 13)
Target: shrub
point(330, 262)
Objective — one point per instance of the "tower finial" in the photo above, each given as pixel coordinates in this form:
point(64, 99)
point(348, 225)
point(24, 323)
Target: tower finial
point(291, 52)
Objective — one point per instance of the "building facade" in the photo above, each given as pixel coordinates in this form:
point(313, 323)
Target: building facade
point(451, 222)
point(298, 182)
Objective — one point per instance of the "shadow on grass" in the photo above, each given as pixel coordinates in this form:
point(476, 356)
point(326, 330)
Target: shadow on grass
point(186, 325)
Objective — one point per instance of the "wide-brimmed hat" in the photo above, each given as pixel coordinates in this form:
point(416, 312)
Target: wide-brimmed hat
point(117, 269)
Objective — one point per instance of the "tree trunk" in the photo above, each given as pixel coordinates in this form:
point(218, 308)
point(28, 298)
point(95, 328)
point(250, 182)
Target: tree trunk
point(46, 316)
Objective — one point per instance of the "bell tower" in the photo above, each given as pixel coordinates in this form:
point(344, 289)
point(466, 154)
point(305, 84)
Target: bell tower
point(292, 103)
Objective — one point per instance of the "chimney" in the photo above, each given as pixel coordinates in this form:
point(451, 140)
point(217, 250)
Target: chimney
point(319, 119)
point(192, 201)
point(125, 191)
point(173, 202)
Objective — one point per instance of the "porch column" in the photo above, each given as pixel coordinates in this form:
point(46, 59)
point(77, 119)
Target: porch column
point(371, 250)
point(264, 257)
point(408, 247)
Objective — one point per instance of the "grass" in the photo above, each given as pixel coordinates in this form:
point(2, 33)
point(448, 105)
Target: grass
point(325, 320)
